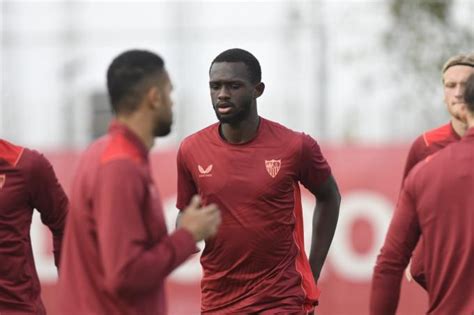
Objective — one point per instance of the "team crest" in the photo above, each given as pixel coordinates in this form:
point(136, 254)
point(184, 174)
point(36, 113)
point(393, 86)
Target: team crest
point(3, 177)
point(273, 167)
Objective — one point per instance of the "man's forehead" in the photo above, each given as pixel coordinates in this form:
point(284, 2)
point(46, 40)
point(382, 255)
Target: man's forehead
point(458, 72)
point(165, 78)
point(229, 71)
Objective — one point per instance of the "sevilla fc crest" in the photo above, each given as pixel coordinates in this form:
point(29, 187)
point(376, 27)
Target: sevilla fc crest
point(273, 167)
point(3, 177)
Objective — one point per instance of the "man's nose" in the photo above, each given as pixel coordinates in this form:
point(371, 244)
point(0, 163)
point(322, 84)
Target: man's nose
point(223, 93)
point(459, 92)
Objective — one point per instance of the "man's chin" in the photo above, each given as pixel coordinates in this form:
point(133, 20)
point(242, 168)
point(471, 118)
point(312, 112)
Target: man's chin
point(229, 119)
point(162, 132)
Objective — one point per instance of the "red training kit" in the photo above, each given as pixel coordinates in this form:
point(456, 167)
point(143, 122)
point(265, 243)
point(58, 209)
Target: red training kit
point(117, 252)
point(436, 204)
point(27, 182)
point(256, 263)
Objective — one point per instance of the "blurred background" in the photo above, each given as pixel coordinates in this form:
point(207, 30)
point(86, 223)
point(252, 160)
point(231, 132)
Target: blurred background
point(361, 76)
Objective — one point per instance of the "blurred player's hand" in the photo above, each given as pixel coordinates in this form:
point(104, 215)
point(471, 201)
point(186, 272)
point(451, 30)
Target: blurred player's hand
point(201, 222)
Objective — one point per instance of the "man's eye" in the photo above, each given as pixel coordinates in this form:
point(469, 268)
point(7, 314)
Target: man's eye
point(235, 86)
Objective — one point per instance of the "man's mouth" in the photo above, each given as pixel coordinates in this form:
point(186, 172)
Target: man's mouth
point(224, 108)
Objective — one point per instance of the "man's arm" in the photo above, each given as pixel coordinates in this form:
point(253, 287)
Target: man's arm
point(415, 270)
point(326, 214)
point(402, 236)
point(415, 155)
point(48, 197)
point(186, 188)
point(131, 264)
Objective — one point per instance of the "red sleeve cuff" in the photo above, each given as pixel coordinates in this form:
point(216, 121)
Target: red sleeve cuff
point(184, 243)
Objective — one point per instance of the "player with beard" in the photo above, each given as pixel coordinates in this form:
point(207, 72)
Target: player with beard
point(251, 168)
point(117, 252)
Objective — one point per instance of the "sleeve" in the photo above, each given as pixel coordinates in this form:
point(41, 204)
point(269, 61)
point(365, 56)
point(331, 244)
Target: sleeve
point(314, 169)
point(402, 236)
point(48, 197)
point(131, 264)
point(186, 187)
point(415, 155)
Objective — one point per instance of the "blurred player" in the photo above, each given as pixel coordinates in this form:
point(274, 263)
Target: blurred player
point(27, 182)
point(455, 73)
point(251, 168)
point(117, 252)
point(436, 203)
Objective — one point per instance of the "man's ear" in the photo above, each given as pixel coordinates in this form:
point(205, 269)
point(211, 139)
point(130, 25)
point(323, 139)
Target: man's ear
point(153, 96)
point(259, 88)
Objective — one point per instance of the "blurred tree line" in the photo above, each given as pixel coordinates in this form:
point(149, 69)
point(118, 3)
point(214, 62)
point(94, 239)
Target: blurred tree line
point(424, 34)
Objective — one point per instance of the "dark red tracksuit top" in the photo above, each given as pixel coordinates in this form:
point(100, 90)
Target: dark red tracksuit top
point(27, 181)
point(437, 205)
point(425, 145)
point(117, 252)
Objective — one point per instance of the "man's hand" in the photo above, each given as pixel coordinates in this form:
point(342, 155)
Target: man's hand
point(201, 222)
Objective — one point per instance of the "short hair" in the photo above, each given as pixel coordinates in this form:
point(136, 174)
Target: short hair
point(459, 60)
point(129, 75)
point(240, 55)
point(469, 93)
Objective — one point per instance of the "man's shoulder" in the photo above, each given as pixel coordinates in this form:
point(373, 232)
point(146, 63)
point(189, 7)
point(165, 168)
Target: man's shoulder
point(10, 153)
point(116, 147)
point(278, 126)
point(200, 135)
point(438, 134)
point(433, 163)
point(26, 159)
point(279, 130)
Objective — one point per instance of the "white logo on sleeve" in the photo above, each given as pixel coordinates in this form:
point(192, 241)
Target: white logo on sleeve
point(205, 172)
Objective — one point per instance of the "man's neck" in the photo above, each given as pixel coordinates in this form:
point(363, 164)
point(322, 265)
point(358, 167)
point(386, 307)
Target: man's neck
point(459, 126)
point(240, 133)
point(139, 127)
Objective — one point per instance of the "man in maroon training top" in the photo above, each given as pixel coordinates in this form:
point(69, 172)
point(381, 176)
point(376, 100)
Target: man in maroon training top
point(251, 168)
point(455, 73)
point(117, 252)
point(437, 204)
point(27, 182)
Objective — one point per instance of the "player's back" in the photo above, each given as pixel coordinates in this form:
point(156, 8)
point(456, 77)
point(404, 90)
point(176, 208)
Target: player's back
point(429, 143)
point(444, 187)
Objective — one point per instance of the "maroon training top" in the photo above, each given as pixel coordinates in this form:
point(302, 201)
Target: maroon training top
point(437, 205)
point(428, 143)
point(256, 263)
point(117, 252)
point(27, 181)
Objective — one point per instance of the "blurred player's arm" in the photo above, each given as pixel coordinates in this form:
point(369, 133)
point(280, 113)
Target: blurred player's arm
point(48, 197)
point(326, 214)
point(133, 265)
point(186, 188)
point(415, 155)
point(415, 270)
point(402, 236)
